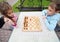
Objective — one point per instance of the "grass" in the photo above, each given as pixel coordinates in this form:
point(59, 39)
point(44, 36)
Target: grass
point(45, 3)
point(34, 3)
point(30, 3)
point(1, 0)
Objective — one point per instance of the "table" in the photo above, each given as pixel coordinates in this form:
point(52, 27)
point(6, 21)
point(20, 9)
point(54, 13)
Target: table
point(44, 36)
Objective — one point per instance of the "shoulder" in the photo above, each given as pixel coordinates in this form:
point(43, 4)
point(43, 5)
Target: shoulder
point(56, 16)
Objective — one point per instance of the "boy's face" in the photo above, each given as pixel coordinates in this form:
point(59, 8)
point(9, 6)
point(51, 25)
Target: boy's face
point(10, 13)
point(51, 11)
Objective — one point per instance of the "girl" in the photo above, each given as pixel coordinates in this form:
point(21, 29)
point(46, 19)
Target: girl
point(51, 16)
point(8, 15)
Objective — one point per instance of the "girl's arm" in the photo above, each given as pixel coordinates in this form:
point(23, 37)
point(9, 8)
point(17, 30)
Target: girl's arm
point(14, 19)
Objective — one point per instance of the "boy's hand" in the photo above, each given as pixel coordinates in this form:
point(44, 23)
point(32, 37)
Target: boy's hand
point(44, 17)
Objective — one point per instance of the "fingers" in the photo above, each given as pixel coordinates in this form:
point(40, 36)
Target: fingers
point(44, 17)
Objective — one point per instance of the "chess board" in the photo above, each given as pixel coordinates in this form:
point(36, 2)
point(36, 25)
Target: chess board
point(31, 24)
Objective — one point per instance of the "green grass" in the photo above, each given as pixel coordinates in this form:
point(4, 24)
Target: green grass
point(1, 0)
point(28, 3)
point(34, 3)
point(45, 3)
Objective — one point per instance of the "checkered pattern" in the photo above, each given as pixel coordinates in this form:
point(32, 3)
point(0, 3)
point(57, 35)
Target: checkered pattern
point(33, 24)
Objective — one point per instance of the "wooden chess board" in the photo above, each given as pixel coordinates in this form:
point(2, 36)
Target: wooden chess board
point(31, 23)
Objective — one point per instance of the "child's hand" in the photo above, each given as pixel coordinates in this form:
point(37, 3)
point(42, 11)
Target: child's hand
point(14, 19)
point(14, 22)
point(10, 21)
point(6, 19)
point(44, 17)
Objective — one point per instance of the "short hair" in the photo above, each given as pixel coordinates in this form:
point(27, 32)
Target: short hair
point(52, 5)
point(4, 7)
point(55, 6)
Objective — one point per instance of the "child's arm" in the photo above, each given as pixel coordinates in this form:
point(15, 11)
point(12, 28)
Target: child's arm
point(44, 13)
point(52, 24)
point(14, 19)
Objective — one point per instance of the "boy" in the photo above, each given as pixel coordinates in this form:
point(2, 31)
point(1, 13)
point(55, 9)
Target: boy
point(51, 16)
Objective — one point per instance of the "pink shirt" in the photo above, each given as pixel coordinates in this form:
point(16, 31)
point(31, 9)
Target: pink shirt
point(15, 18)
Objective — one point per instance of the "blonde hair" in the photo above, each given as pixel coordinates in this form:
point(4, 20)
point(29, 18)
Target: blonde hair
point(55, 6)
point(52, 5)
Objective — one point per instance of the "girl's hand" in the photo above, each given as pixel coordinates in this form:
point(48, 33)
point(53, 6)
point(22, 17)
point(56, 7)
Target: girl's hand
point(6, 19)
point(14, 20)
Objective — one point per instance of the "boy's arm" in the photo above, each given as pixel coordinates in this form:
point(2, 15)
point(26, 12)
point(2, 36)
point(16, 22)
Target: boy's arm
point(51, 25)
point(44, 12)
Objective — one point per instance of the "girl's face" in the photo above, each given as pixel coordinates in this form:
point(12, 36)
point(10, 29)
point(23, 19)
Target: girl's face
point(51, 11)
point(10, 13)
